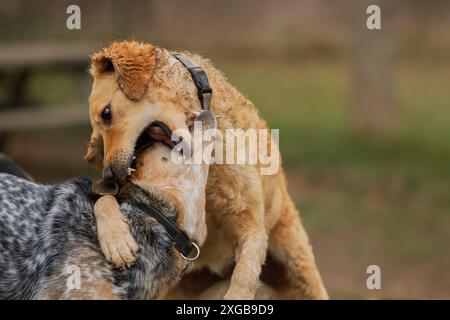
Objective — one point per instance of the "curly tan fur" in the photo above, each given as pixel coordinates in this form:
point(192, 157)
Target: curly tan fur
point(247, 214)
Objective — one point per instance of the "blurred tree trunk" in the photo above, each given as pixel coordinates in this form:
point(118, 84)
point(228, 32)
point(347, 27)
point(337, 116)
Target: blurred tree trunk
point(374, 109)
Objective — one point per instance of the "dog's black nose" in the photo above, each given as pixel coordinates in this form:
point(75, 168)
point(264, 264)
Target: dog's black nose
point(108, 175)
point(107, 185)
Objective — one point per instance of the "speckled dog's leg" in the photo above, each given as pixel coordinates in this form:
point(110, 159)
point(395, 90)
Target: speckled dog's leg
point(83, 275)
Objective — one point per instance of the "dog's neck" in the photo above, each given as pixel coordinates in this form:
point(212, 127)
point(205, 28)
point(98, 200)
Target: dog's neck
point(186, 195)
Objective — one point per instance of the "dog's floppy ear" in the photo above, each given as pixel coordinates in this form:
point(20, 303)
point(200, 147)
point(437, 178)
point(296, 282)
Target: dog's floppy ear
point(133, 63)
point(94, 155)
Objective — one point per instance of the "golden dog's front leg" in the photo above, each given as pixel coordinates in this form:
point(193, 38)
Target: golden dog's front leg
point(251, 254)
point(116, 241)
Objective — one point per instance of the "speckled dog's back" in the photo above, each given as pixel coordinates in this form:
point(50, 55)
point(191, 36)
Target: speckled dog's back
point(47, 232)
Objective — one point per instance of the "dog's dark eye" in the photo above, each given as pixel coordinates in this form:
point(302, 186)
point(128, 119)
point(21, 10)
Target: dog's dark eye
point(106, 114)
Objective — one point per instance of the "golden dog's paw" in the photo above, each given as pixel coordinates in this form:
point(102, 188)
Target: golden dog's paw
point(117, 243)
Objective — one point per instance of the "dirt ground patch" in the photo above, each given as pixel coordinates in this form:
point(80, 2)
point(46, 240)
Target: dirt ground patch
point(344, 253)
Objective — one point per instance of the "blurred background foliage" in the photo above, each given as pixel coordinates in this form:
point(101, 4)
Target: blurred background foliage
point(363, 115)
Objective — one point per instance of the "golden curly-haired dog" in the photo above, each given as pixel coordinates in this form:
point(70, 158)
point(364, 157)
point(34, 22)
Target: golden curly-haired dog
point(247, 214)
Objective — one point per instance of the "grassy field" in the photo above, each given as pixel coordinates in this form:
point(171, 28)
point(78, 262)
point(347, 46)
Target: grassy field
point(363, 202)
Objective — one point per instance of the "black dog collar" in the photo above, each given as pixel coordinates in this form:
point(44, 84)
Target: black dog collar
point(180, 240)
point(204, 92)
point(200, 78)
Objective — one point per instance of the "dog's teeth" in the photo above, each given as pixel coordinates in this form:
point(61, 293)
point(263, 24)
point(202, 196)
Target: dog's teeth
point(130, 171)
point(196, 113)
point(218, 117)
point(134, 158)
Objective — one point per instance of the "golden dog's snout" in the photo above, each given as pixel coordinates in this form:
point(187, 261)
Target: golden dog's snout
point(108, 175)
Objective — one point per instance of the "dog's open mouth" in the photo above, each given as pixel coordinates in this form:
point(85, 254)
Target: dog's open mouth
point(157, 131)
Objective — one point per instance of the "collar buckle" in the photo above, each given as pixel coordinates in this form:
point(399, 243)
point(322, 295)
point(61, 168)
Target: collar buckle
point(197, 253)
point(206, 100)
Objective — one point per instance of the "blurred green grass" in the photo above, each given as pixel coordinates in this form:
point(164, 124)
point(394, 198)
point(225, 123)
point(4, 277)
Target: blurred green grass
point(398, 188)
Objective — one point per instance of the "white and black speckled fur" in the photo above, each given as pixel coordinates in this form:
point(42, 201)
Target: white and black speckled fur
point(44, 229)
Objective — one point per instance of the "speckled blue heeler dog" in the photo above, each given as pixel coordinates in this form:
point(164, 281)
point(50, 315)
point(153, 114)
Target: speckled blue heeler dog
point(46, 230)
